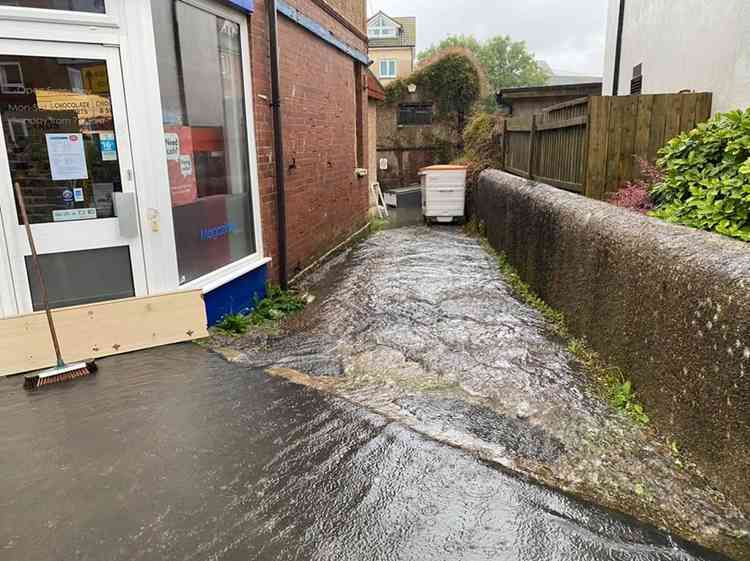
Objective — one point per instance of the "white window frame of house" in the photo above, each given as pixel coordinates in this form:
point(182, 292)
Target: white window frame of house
point(128, 24)
point(382, 28)
point(388, 63)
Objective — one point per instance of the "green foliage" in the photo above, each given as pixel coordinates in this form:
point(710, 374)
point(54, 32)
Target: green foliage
point(234, 324)
point(452, 83)
point(277, 305)
point(508, 63)
point(623, 397)
point(707, 177)
point(481, 149)
point(465, 41)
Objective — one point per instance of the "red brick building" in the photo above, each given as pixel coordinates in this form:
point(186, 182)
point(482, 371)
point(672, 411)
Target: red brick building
point(325, 131)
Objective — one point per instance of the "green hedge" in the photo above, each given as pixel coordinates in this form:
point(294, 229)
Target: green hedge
point(707, 177)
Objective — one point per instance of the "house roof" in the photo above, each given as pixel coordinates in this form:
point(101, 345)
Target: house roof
point(407, 36)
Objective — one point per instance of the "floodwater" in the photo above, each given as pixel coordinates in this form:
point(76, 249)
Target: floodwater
point(174, 453)
point(418, 325)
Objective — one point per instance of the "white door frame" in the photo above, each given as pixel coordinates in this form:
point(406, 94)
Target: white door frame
point(79, 235)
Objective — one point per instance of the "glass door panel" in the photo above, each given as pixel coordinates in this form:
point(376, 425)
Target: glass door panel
point(64, 125)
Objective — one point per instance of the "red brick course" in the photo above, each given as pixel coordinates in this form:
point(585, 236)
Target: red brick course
point(325, 201)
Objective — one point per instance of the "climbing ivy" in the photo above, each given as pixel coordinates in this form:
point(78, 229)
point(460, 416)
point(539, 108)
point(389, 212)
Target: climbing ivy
point(451, 82)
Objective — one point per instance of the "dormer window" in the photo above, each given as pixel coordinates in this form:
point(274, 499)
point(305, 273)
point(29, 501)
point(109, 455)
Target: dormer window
point(382, 27)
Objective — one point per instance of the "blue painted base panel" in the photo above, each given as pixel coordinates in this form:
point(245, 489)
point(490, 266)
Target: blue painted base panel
point(237, 296)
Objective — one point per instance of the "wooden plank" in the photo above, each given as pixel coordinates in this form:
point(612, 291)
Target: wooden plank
point(703, 107)
point(614, 144)
point(627, 163)
point(658, 126)
point(504, 155)
point(519, 125)
point(643, 126)
point(599, 108)
point(571, 122)
point(102, 329)
point(689, 108)
point(532, 146)
point(674, 114)
point(565, 104)
point(567, 185)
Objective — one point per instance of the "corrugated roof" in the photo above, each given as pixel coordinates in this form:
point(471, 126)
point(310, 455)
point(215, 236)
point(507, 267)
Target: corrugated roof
point(407, 37)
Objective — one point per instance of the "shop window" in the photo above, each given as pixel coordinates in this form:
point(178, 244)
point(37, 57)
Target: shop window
point(203, 106)
point(388, 68)
point(412, 114)
point(94, 6)
point(59, 136)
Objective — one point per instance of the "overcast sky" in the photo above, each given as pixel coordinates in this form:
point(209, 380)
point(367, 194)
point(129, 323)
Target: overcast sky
point(568, 34)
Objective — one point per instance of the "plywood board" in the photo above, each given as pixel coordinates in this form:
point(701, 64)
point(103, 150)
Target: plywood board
point(103, 329)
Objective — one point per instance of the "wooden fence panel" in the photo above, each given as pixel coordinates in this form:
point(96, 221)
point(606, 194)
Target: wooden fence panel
point(591, 145)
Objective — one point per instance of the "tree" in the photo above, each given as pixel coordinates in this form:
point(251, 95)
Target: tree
point(508, 63)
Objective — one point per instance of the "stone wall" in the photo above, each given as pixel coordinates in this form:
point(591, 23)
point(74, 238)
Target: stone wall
point(668, 304)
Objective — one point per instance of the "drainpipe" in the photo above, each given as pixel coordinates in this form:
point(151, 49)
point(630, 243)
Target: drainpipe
point(618, 48)
point(278, 143)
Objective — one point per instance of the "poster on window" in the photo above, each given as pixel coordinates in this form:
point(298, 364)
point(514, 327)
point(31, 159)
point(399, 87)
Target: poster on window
point(182, 182)
point(67, 158)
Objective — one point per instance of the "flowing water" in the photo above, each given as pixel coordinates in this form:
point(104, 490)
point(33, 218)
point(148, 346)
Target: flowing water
point(418, 325)
point(174, 453)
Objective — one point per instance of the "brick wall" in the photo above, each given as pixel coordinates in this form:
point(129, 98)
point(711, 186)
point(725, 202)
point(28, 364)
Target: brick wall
point(325, 201)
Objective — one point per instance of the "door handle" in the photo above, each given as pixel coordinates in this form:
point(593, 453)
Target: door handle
point(126, 211)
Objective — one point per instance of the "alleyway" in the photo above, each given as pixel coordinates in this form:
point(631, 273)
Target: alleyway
point(175, 454)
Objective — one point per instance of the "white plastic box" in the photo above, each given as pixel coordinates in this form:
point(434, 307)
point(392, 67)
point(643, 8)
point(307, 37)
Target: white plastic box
point(443, 192)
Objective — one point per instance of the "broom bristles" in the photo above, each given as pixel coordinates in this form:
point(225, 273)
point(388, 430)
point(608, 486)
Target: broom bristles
point(41, 379)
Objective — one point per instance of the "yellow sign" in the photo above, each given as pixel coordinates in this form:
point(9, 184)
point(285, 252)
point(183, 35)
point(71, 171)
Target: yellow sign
point(95, 79)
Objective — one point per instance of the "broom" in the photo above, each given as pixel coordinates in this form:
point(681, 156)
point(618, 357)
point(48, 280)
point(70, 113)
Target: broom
point(62, 372)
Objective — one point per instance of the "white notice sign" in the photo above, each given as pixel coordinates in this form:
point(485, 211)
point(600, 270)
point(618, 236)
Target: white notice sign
point(67, 156)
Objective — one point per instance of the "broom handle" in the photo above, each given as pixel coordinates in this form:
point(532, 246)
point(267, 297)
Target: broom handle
point(40, 276)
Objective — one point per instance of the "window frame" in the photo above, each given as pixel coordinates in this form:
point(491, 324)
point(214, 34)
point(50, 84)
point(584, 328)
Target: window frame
point(10, 88)
point(389, 61)
point(110, 17)
point(227, 273)
point(382, 29)
point(416, 111)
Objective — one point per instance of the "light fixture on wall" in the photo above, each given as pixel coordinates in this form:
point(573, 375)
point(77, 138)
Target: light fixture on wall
point(412, 88)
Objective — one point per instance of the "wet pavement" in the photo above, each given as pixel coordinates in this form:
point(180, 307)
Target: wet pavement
point(174, 453)
point(417, 325)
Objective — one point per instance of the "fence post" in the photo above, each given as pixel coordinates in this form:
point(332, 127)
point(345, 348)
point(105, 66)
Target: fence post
point(532, 145)
point(504, 149)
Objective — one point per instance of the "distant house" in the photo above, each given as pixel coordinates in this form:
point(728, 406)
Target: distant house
point(668, 47)
point(393, 43)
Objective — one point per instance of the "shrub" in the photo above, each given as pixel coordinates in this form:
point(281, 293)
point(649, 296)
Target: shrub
point(636, 195)
point(707, 177)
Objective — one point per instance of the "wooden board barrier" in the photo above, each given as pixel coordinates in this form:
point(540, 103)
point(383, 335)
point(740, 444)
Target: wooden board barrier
point(101, 329)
